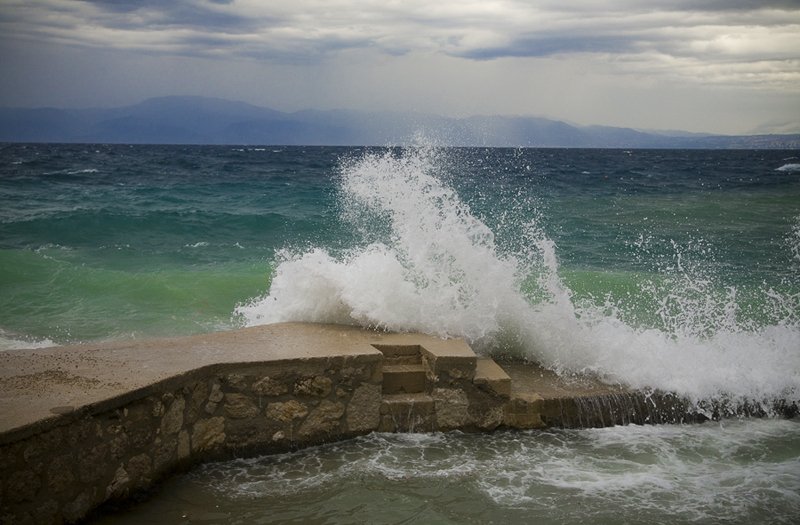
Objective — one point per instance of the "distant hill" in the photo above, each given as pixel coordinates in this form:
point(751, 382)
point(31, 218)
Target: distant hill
point(199, 120)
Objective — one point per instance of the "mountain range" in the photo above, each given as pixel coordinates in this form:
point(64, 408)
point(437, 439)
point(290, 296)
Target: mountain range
point(201, 120)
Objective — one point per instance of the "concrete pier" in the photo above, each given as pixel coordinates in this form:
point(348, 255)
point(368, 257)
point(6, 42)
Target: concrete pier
point(84, 425)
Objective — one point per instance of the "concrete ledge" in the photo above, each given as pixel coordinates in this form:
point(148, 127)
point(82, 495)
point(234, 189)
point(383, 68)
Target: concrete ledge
point(449, 360)
point(541, 399)
point(37, 386)
point(489, 375)
point(84, 425)
point(408, 412)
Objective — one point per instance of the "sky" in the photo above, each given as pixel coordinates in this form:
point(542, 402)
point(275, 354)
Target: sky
point(717, 66)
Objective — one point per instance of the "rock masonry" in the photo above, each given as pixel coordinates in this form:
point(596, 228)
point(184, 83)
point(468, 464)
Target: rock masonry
point(60, 469)
point(86, 458)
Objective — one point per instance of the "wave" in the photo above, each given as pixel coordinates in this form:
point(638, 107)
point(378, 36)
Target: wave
point(738, 472)
point(429, 264)
point(10, 341)
point(789, 168)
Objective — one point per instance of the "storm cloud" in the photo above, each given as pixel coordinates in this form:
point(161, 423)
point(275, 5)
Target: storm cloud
point(727, 44)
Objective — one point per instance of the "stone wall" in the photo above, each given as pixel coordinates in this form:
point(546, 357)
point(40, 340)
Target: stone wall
point(59, 468)
point(88, 458)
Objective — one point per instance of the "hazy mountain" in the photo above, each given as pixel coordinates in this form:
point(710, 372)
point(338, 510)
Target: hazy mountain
point(199, 120)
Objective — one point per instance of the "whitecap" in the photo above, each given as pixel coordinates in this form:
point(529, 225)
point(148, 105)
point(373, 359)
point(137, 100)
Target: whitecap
point(790, 168)
point(9, 341)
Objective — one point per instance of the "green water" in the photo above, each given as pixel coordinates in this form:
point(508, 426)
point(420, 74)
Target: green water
point(109, 242)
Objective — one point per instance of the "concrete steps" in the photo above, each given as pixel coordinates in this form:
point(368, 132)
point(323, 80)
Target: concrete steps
point(400, 354)
point(407, 413)
point(403, 369)
point(491, 377)
point(405, 405)
point(418, 381)
point(404, 379)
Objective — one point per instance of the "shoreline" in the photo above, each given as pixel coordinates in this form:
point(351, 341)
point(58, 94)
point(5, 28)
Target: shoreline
point(81, 426)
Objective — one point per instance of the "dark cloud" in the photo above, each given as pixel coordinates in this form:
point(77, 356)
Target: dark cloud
point(392, 50)
point(174, 14)
point(729, 5)
point(673, 5)
point(305, 30)
point(542, 46)
point(124, 6)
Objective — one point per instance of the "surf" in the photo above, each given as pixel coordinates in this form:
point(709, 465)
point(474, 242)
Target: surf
point(425, 262)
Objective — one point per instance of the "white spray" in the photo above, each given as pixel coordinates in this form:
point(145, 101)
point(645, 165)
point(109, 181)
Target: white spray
point(442, 273)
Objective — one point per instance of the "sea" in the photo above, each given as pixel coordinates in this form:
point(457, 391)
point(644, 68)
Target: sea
point(676, 270)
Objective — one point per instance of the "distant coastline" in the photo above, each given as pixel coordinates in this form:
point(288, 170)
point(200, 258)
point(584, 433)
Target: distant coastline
point(200, 120)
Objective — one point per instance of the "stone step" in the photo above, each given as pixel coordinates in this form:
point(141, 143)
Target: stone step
point(407, 413)
point(449, 360)
point(401, 354)
point(404, 360)
point(489, 376)
point(404, 378)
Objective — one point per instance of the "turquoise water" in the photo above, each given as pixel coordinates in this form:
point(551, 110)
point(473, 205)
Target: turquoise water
point(665, 269)
point(677, 270)
point(108, 242)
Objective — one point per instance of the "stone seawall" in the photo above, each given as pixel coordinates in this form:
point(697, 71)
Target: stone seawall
point(96, 456)
point(82, 426)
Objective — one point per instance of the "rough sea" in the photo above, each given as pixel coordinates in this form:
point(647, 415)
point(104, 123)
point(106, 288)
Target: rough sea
point(668, 269)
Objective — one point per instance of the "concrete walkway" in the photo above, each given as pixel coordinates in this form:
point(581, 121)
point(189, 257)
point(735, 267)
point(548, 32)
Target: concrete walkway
point(40, 385)
point(84, 425)
point(37, 385)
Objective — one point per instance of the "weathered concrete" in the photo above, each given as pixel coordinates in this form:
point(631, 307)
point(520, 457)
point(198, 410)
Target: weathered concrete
point(83, 425)
point(541, 399)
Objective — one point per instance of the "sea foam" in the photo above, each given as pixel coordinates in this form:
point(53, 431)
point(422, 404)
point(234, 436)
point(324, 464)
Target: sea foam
point(439, 270)
point(15, 342)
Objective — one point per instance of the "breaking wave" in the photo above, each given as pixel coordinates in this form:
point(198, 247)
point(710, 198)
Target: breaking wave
point(429, 264)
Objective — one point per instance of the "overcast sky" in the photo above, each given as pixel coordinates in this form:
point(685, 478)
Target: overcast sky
point(723, 66)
